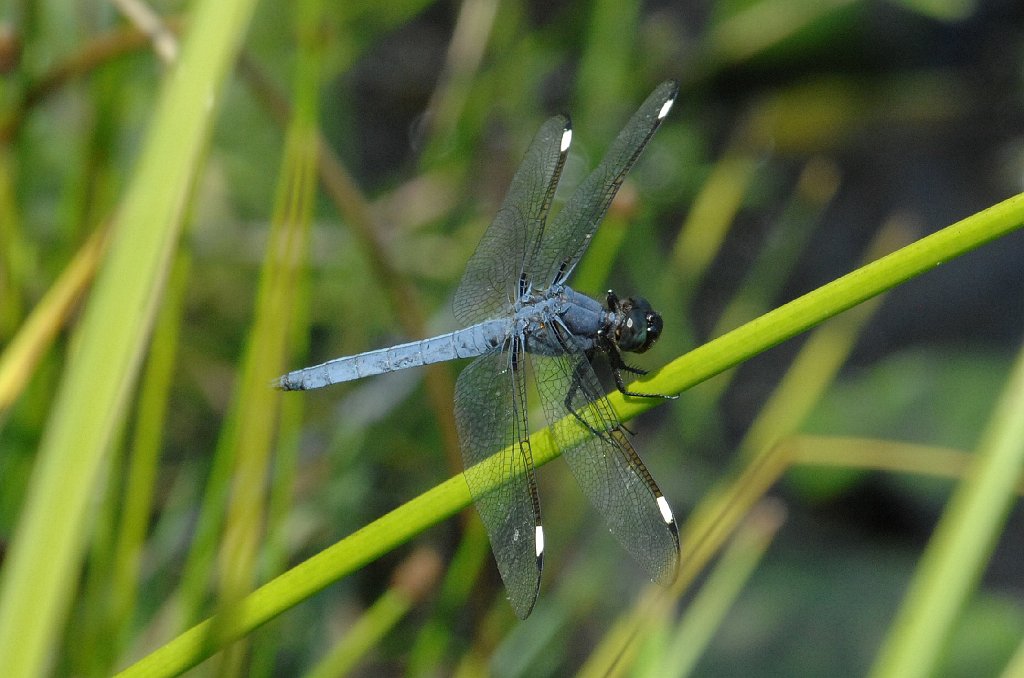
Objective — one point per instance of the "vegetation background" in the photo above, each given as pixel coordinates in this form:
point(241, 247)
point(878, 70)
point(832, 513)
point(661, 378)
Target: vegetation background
point(310, 183)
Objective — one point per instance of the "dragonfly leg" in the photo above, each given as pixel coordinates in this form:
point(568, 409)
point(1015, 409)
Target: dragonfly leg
point(575, 386)
point(619, 366)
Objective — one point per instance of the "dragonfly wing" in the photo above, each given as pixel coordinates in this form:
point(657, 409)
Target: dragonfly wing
point(569, 234)
point(608, 469)
point(493, 274)
point(490, 411)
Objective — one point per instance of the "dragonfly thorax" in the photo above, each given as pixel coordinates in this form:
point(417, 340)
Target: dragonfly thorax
point(558, 321)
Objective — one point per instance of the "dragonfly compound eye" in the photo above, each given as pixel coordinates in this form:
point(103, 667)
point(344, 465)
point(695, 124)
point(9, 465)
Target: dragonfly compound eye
point(654, 327)
point(642, 326)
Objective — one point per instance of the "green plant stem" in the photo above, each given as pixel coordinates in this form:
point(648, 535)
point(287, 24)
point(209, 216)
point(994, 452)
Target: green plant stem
point(40, 573)
point(309, 577)
point(962, 543)
point(816, 306)
point(445, 499)
point(817, 364)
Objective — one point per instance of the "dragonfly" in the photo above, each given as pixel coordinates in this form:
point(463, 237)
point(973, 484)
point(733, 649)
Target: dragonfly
point(517, 309)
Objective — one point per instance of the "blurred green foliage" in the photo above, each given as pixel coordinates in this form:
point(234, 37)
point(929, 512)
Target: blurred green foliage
point(802, 128)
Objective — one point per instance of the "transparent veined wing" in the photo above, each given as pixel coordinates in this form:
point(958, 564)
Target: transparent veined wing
point(490, 411)
point(607, 468)
point(568, 236)
point(492, 277)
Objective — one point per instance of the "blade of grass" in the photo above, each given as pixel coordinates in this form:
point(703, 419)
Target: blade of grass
point(341, 188)
point(142, 479)
point(276, 550)
point(23, 353)
point(40, 573)
point(738, 563)
point(434, 637)
point(821, 304)
point(818, 362)
point(466, 49)
point(1015, 667)
point(961, 544)
point(768, 273)
point(761, 284)
point(309, 577)
point(444, 500)
point(255, 410)
point(105, 602)
point(762, 25)
point(711, 214)
point(80, 655)
point(717, 517)
point(606, 68)
point(413, 579)
point(13, 252)
point(887, 455)
point(701, 537)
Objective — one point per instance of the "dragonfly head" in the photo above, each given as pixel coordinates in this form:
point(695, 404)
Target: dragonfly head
point(640, 327)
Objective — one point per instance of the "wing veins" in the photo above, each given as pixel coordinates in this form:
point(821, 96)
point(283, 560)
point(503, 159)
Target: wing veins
point(607, 467)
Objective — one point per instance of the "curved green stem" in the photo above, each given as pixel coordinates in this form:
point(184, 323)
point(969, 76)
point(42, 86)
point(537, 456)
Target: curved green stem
point(718, 355)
